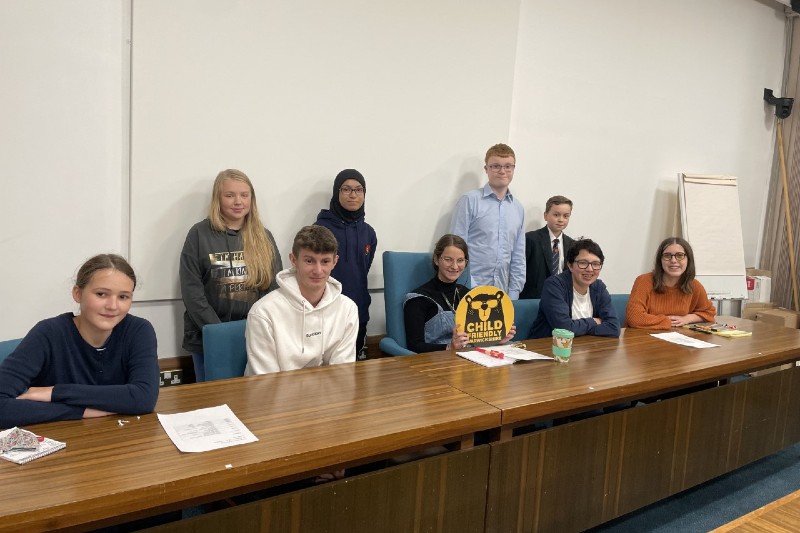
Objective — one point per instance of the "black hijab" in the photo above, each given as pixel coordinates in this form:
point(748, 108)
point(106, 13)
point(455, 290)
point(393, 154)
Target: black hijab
point(336, 206)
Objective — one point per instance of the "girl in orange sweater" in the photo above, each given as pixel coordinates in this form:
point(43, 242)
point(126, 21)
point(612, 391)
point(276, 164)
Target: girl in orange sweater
point(669, 296)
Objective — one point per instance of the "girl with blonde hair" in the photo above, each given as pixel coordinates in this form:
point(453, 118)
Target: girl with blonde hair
point(228, 262)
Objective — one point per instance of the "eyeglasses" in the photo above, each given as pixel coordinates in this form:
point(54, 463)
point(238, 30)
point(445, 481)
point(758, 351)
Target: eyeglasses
point(497, 168)
point(349, 190)
point(583, 264)
point(449, 261)
point(680, 256)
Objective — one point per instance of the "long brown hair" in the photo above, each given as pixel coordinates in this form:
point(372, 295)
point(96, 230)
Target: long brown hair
point(686, 279)
point(258, 251)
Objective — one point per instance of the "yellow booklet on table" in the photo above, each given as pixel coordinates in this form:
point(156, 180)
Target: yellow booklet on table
point(715, 328)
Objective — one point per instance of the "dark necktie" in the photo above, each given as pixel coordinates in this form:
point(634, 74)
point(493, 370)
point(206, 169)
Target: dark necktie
point(554, 263)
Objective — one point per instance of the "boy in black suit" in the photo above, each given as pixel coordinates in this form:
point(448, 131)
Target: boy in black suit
point(546, 247)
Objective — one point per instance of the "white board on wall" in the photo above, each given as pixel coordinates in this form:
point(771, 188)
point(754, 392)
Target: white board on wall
point(712, 224)
point(410, 93)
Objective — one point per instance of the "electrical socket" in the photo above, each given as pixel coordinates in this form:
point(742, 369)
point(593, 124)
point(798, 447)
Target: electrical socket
point(171, 377)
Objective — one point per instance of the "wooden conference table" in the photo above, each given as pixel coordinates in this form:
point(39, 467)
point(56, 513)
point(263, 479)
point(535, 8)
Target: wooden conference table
point(565, 478)
point(308, 422)
point(607, 466)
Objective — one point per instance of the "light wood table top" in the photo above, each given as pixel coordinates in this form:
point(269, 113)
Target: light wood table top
point(308, 422)
point(607, 371)
point(780, 516)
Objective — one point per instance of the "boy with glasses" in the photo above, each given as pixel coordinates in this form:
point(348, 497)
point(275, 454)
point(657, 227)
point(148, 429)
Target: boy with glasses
point(492, 222)
point(670, 296)
point(575, 299)
point(307, 321)
point(545, 248)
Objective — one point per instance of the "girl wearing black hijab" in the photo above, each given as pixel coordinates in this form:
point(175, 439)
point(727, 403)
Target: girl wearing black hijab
point(357, 242)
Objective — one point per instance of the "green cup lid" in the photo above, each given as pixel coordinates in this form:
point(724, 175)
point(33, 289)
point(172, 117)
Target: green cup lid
point(563, 333)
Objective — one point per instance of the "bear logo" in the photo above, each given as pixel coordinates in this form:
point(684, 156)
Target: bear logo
point(486, 314)
point(488, 307)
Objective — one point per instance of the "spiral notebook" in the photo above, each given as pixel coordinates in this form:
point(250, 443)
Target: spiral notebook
point(46, 447)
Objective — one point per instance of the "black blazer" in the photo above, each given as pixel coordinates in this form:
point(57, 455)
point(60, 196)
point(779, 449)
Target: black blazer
point(538, 255)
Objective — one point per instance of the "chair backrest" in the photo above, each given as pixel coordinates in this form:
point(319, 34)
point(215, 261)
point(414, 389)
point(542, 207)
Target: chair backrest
point(402, 273)
point(6, 347)
point(525, 312)
point(620, 302)
point(225, 349)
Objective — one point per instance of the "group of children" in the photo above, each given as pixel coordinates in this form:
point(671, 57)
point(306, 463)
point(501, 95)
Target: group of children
point(545, 264)
point(230, 269)
point(104, 361)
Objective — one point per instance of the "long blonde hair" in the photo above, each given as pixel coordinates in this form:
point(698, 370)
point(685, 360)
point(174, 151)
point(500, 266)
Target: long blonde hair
point(257, 249)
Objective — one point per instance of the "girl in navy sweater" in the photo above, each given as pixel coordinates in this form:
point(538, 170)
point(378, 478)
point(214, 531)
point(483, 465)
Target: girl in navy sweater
point(100, 362)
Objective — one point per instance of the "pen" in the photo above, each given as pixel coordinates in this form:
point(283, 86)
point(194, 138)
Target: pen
point(491, 353)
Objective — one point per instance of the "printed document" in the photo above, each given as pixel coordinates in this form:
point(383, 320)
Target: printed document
point(684, 340)
point(206, 429)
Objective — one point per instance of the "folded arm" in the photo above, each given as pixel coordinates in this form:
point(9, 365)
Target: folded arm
point(558, 312)
point(139, 392)
point(609, 323)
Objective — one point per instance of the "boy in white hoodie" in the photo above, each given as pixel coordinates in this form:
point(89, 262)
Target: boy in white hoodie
point(307, 321)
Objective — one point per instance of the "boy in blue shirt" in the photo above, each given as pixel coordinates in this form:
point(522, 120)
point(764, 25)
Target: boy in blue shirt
point(492, 222)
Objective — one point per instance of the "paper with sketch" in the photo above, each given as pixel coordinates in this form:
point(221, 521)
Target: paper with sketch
point(206, 429)
point(486, 360)
point(684, 340)
point(511, 354)
point(521, 355)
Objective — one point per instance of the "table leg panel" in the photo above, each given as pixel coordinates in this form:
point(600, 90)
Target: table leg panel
point(443, 493)
point(705, 452)
point(761, 428)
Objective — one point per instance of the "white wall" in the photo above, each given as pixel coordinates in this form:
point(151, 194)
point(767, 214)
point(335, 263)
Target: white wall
point(295, 94)
point(61, 150)
point(613, 99)
point(605, 102)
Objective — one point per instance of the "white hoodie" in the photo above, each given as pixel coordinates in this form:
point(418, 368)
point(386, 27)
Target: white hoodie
point(285, 332)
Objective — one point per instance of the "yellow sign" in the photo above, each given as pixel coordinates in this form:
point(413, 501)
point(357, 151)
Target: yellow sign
point(486, 315)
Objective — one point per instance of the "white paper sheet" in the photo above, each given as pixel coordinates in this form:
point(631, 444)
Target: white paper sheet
point(206, 429)
point(486, 360)
point(511, 354)
point(522, 355)
point(684, 340)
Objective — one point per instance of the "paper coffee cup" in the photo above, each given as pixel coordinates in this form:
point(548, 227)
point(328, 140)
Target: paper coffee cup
point(562, 344)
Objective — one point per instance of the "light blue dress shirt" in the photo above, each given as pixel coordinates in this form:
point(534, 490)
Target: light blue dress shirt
point(495, 234)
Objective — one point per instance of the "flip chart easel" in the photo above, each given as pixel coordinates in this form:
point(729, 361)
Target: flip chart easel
point(710, 220)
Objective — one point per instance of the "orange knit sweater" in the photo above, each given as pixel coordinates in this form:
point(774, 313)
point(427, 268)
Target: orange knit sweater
point(648, 309)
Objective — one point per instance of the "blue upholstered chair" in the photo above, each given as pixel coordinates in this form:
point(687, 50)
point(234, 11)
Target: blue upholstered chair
point(224, 350)
point(6, 347)
point(402, 273)
point(525, 312)
point(620, 302)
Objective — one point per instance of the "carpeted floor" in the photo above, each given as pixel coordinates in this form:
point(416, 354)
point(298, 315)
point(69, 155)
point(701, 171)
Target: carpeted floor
point(719, 501)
